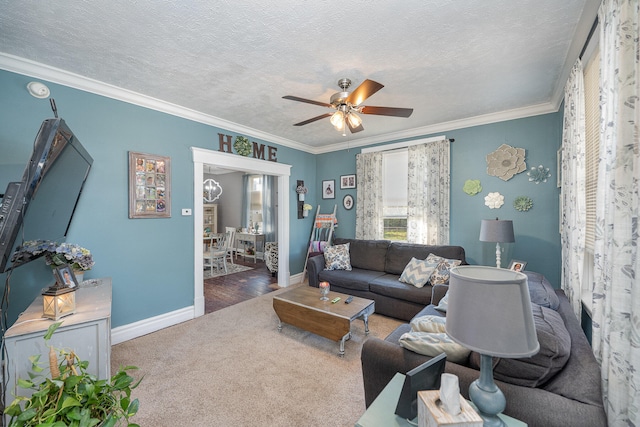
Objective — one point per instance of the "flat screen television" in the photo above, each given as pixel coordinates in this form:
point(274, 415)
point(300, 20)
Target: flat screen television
point(42, 204)
point(424, 377)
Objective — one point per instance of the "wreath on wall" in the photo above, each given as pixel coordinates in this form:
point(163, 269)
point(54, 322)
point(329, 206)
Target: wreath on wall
point(242, 145)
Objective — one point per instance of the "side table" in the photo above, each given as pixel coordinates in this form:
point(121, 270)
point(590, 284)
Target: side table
point(381, 413)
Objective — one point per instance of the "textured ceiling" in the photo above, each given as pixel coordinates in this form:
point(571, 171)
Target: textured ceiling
point(449, 60)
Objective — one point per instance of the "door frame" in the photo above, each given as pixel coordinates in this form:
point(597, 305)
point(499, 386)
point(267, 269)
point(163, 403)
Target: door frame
point(236, 162)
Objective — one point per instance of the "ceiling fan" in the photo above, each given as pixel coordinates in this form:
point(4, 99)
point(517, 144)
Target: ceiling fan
point(347, 106)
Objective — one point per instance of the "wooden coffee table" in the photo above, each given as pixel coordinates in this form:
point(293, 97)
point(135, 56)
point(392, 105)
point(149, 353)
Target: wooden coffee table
point(302, 307)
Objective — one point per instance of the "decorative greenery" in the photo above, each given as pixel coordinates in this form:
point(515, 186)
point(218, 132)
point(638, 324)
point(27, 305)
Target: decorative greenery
point(307, 207)
point(301, 189)
point(72, 397)
point(472, 187)
point(539, 174)
point(56, 254)
point(522, 203)
point(242, 145)
point(494, 200)
point(505, 162)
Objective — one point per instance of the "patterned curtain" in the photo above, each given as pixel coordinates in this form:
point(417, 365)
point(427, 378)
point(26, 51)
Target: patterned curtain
point(369, 223)
point(428, 193)
point(616, 297)
point(573, 202)
point(269, 197)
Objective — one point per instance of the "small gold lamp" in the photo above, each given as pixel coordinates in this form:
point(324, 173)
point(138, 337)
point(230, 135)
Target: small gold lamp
point(58, 302)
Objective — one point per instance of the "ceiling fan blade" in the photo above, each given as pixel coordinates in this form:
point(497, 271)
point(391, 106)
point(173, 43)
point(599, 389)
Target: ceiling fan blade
point(362, 92)
point(387, 111)
point(313, 119)
point(308, 101)
point(355, 129)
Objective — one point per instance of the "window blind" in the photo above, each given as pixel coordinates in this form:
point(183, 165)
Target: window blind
point(592, 129)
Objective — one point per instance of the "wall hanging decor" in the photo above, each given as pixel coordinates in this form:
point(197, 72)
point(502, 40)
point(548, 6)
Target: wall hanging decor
point(539, 174)
point(506, 162)
point(329, 189)
point(347, 181)
point(523, 203)
point(472, 187)
point(347, 202)
point(149, 186)
point(242, 145)
point(494, 200)
point(301, 190)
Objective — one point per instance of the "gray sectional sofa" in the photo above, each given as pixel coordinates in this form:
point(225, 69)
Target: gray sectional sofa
point(376, 268)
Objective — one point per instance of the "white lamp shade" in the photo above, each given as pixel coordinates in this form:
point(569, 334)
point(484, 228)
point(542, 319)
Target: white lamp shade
point(489, 311)
point(496, 230)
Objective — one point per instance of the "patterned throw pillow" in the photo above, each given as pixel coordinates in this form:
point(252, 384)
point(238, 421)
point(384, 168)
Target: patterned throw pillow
point(337, 257)
point(441, 273)
point(417, 272)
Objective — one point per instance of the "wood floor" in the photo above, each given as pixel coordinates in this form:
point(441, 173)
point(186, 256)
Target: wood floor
point(224, 291)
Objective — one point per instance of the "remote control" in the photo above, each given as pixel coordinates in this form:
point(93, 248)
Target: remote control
point(335, 300)
point(348, 300)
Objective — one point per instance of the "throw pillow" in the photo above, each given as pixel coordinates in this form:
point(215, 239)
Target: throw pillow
point(444, 302)
point(417, 272)
point(428, 323)
point(535, 371)
point(431, 344)
point(337, 257)
point(541, 291)
point(441, 274)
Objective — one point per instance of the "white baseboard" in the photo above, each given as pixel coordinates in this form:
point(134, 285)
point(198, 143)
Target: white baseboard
point(296, 278)
point(152, 324)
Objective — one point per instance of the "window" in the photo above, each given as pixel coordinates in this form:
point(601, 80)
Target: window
point(395, 169)
point(255, 207)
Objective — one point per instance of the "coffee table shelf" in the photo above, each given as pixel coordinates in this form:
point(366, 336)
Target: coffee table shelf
point(302, 307)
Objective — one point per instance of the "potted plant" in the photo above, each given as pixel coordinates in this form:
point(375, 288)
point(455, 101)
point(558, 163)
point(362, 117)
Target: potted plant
point(301, 190)
point(71, 396)
point(305, 209)
point(57, 254)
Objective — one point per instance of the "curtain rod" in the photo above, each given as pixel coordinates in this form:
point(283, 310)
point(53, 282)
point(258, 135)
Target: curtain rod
point(586, 43)
point(404, 144)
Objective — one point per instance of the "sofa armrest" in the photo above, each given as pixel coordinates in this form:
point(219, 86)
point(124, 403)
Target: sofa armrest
point(315, 265)
point(438, 292)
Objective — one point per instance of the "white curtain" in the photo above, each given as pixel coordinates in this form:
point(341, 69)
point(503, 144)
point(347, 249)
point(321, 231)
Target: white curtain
point(573, 202)
point(369, 221)
point(269, 201)
point(616, 298)
point(428, 193)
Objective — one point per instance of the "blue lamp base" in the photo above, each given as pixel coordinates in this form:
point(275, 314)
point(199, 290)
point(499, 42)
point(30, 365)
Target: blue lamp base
point(486, 395)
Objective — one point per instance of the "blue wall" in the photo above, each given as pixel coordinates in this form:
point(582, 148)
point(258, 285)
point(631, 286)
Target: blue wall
point(151, 260)
point(536, 231)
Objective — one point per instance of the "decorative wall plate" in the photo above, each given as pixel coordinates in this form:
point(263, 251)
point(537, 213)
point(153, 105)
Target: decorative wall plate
point(505, 162)
point(494, 200)
point(522, 203)
point(472, 187)
point(539, 174)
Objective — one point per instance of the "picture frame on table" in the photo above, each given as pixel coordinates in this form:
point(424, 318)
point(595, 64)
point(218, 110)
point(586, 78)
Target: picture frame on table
point(149, 186)
point(65, 277)
point(329, 189)
point(347, 181)
point(517, 265)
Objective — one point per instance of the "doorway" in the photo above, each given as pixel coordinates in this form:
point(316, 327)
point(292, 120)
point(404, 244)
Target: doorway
point(244, 164)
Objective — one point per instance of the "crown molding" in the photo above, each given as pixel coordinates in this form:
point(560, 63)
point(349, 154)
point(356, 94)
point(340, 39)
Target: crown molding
point(55, 75)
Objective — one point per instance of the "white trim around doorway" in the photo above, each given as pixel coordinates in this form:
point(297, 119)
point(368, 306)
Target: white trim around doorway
point(245, 164)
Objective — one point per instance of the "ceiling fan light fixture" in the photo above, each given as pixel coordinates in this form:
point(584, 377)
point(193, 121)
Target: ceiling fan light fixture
point(354, 120)
point(337, 120)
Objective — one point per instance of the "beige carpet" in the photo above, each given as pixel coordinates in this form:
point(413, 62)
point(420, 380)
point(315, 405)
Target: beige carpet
point(233, 368)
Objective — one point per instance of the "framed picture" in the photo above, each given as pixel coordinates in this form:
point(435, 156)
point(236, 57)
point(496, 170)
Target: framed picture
point(149, 186)
point(517, 265)
point(347, 181)
point(65, 277)
point(329, 189)
point(347, 202)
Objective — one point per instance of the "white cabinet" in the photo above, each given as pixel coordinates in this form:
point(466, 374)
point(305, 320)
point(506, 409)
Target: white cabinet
point(210, 219)
point(87, 332)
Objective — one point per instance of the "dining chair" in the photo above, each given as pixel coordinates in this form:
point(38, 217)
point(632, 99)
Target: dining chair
point(231, 244)
point(217, 253)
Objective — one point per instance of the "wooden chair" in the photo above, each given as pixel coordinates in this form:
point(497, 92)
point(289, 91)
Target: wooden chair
point(217, 253)
point(231, 244)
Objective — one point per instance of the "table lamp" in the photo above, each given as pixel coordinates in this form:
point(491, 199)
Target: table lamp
point(498, 231)
point(489, 312)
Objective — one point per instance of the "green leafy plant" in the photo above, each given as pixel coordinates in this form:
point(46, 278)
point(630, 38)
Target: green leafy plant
point(71, 396)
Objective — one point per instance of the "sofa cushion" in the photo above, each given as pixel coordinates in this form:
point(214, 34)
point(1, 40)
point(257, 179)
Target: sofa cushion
point(432, 344)
point(337, 257)
point(428, 323)
point(417, 272)
point(443, 304)
point(541, 291)
point(366, 254)
point(535, 371)
point(441, 274)
point(389, 286)
point(356, 279)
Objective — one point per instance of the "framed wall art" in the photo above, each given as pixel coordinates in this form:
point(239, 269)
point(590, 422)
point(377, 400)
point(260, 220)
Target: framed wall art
point(329, 189)
point(149, 186)
point(347, 202)
point(347, 181)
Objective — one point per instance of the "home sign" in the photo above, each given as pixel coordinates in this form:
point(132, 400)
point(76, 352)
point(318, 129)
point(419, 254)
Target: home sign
point(243, 147)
